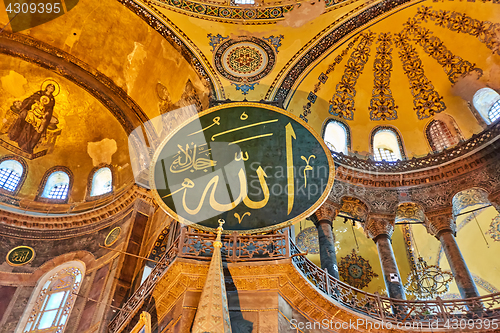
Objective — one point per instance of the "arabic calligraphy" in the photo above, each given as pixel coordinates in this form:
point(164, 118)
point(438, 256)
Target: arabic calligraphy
point(307, 168)
point(242, 156)
point(289, 166)
point(241, 218)
point(244, 116)
point(188, 158)
point(243, 127)
point(216, 121)
point(20, 255)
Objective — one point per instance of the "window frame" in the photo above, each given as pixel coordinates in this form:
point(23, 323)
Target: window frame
point(90, 180)
point(399, 138)
point(43, 183)
point(430, 140)
point(21, 179)
point(341, 123)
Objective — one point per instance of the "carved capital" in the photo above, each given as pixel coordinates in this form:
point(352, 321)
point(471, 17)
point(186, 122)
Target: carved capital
point(354, 207)
point(379, 225)
point(327, 212)
point(439, 221)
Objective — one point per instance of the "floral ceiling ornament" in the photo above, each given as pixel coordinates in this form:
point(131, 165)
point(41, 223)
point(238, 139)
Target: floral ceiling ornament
point(356, 271)
point(342, 103)
point(494, 230)
point(427, 282)
point(307, 240)
point(427, 101)
point(382, 104)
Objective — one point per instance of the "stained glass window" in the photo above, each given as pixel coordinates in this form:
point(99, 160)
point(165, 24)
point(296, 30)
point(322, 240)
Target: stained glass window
point(486, 102)
point(439, 136)
point(57, 186)
point(10, 174)
point(101, 182)
point(494, 113)
point(55, 302)
point(336, 136)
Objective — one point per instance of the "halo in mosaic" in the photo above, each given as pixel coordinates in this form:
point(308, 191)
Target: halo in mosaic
point(244, 60)
point(307, 240)
point(494, 230)
point(356, 270)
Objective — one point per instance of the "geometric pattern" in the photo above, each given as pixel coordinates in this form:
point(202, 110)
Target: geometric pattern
point(454, 66)
point(356, 271)
point(382, 105)
point(307, 240)
point(342, 103)
point(426, 101)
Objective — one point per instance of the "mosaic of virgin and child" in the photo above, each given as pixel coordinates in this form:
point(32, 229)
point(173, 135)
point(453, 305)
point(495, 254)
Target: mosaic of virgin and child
point(32, 119)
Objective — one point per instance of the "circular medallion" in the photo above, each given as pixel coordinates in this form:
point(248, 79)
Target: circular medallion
point(307, 240)
point(248, 59)
point(355, 271)
point(258, 167)
point(20, 255)
point(112, 236)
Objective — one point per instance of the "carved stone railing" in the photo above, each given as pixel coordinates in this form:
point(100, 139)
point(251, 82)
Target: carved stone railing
point(434, 159)
point(480, 311)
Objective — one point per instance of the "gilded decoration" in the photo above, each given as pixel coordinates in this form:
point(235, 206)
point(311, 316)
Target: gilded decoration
point(323, 77)
point(379, 225)
point(342, 103)
point(325, 212)
point(355, 208)
point(307, 240)
point(426, 100)
point(409, 212)
point(20, 255)
point(408, 239)
point(468, 198)
point(486, 32)
point(454, 66)
point(439, 221)
point(356, 270)
point(494, 230)
point(427, 282)
point(31, 127)
point(112, 236)
point(382, 104)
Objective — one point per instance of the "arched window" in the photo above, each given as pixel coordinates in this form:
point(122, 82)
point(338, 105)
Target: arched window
point(439, 136)
point(102, 182)
point(11, 172)
point(52, 301)
point(386, 145)
point(56, 186)
point(487, 103)
point(336, 136)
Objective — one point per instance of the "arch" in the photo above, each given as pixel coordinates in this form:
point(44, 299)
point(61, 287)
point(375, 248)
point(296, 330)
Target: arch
point(337, 136)
point(101, 182)
point(439, 136)
point(386, 144)
point(53, 298)
point(487, 102)
point(13, 172)
point(467, 198)
point(56, 185)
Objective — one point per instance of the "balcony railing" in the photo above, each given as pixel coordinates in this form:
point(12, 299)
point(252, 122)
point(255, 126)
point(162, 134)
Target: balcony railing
point(480, 313)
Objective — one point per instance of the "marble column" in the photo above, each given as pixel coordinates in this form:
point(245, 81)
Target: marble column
point(441, 225)
point(380, 229)
point(323, 220)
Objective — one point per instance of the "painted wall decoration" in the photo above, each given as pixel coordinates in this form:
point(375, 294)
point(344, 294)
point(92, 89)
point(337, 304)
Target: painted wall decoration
point(253, 165)
point(246, 60)
point(30, 125)
point(494, 230)
point(356, 271)
point(468, 198)
point(307, 240)
point(20, 255)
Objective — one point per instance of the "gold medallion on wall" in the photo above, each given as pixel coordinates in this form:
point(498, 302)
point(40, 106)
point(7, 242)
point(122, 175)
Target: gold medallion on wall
point(20, 255)
point(112, 236)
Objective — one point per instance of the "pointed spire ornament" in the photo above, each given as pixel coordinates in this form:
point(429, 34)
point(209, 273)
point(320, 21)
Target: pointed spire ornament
point(213, 313)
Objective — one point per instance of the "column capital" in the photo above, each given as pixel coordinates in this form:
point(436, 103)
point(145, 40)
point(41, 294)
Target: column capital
point(327, 212)
point(379, 224)
point(440, 220)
